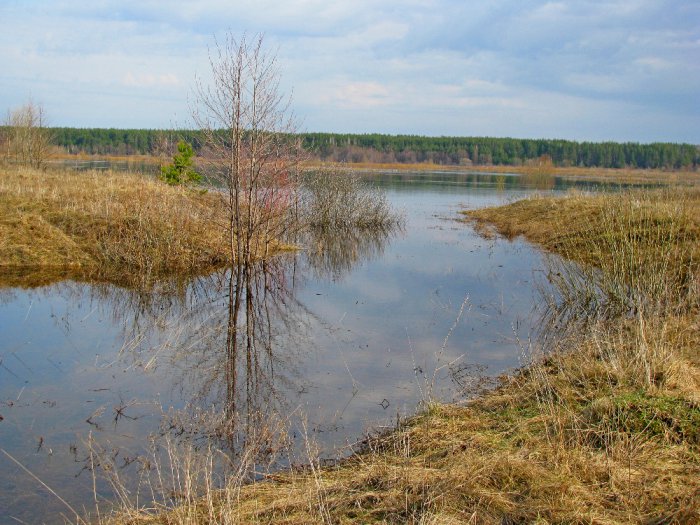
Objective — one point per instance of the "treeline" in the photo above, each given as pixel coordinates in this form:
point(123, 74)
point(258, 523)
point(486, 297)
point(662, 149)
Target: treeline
point(110, 141)
point(406, 148)
point(499, 151)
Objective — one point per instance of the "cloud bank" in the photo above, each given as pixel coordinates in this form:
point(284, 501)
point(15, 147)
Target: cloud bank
point(586, 70)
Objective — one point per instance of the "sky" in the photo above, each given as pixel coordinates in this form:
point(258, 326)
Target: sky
point(621, 70)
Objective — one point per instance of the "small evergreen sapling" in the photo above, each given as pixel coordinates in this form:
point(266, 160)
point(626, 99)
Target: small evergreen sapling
point(180, 171)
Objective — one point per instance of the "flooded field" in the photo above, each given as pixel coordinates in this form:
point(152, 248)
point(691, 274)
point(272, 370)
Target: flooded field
point(341, 339)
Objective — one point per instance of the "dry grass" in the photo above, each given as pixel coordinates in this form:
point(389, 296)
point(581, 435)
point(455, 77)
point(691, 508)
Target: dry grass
point(602, 427)
point(632, 249)
point(624, 175)
point(60, 154)
point(550, 221)
point(103, 225)
point(498, 461)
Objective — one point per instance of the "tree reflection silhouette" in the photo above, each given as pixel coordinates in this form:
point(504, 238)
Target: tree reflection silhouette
point(227, 352)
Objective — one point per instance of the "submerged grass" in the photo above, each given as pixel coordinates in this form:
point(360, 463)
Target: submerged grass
point(600, 427)
point(634, 250)
point(103, 225)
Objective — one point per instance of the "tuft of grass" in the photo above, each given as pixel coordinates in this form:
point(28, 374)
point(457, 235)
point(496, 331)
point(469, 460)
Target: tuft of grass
point(104, 225)
point(671, 419)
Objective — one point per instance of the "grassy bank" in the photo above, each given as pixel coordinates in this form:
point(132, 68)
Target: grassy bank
point(585, 227)
point(603, 426)
point(103, 225)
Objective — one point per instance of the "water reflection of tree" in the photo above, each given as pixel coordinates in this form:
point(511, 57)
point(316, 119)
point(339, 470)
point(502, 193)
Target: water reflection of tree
point(233, 343)
point(264, 330)
point(230, 346)
point(236, 360)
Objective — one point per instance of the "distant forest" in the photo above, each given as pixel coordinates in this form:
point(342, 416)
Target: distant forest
point(405, 148)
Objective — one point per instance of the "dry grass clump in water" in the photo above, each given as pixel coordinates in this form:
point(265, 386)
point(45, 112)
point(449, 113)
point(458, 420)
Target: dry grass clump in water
point(603, 427)
point(106, 225)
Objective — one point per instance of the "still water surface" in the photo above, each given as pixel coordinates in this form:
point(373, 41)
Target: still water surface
point(351, 337)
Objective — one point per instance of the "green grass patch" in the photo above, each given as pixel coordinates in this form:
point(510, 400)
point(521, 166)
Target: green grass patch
point(671, 419)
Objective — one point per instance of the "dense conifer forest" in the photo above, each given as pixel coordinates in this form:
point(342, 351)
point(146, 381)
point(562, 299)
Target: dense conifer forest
point(406, 148)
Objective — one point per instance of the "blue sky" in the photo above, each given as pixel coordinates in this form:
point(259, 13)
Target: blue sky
point(625, 70)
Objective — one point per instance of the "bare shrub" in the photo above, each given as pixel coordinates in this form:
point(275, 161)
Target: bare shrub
point(335, 199)
point(27, 139)
point(249, 146)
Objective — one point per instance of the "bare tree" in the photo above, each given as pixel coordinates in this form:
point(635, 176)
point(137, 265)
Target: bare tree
point(28, 140)
point(250, 146)
point(250, 149)
point(164, 146)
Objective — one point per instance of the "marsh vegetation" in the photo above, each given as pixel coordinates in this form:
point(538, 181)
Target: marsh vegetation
point(365, 313)
point(600, 425)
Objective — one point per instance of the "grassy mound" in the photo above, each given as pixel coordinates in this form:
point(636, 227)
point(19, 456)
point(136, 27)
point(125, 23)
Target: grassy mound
point(104, 225)
point(572, 224)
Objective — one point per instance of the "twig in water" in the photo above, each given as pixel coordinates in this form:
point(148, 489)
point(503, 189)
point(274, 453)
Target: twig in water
point(29, 309)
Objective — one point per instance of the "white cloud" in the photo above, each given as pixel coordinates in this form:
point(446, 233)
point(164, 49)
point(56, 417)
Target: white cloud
point(357, 95)
point(150, 80)
point(654, 63)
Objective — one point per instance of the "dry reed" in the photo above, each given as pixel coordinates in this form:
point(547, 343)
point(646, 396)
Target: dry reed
point(104, 225)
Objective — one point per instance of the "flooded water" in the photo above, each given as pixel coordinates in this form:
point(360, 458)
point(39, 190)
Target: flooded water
point(97, 164)
point(345, 340)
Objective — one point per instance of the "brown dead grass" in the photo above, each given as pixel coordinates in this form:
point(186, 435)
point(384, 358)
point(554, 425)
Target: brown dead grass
point(103, 225)
point(501, 460)
point(566, 225)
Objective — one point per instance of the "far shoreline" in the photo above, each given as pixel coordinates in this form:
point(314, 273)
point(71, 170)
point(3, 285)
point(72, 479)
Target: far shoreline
point(679, 176)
